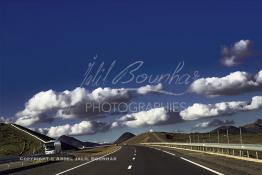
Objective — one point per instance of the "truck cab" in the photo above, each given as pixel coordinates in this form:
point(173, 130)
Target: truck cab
point(53, 147)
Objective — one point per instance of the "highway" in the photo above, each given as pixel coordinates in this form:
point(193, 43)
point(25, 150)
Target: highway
point(136, 160)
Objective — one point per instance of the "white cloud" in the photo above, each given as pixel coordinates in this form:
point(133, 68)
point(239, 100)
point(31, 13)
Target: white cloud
point(232, 84)
point(202, 125)
point(214, 123)
point(48, 105)
point(82, 128)
point(233, 55)
point(198, 110)
point(149, 88)
point(143, 118)
point(256, 103)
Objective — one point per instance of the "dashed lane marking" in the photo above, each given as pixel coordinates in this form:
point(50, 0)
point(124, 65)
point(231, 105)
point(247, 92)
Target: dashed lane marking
point(129, 167)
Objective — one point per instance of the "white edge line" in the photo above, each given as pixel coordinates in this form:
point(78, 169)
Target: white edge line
point(168, 153)
point(86, 163)
point(164, 151)
point(28, 133)
point(129, 167)
point(209, 169)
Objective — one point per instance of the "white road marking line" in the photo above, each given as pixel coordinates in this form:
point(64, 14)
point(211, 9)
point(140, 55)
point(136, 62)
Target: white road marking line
point(168, 152)
point(165, 151)
point(202, 166)
point(135, 154)
point(129, 167)
point(157, 149)
point(86, 162)
point(134, 158)
point(209, 169)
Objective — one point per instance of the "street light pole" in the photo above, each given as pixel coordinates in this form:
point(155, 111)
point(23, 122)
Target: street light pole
point(240, 131)
point(227, 137)
point(217, 136)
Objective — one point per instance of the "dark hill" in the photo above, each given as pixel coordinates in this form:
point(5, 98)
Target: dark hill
point(231, 130)
point(255, 127)
point(75, 142)
point(124, 137)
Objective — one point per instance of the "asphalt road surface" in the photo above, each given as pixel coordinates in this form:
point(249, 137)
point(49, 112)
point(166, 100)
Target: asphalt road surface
point(133, 160)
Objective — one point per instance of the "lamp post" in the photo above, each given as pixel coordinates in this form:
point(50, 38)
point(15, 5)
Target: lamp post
point(227, 137)
point(217, 136)
point(240, 131)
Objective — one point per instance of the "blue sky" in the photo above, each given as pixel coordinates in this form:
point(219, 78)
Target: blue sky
point(47, 45)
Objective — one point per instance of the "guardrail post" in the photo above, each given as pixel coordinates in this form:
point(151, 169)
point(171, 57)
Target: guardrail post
point(222, 151)
point(240, 153)
point(256, 155)
point(247, 154)
point(233, 152)
point(8, 165)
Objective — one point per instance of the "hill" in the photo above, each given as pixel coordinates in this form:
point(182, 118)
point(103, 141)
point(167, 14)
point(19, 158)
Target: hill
point(230, 129)
point(251, 134)
point(17, 142)
point(125, 136)
point(37, 134)
point(255, 127)
point(157, 137)
point(75, 142)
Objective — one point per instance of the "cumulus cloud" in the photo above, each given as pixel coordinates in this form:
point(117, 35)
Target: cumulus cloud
point(199, 110)
point(82, 128)
point(214, 123)
point(149, 88)
point(234, 55)
point(155, 116)
point(46, 106)
point(232, 84)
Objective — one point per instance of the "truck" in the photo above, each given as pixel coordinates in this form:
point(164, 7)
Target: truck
point(53, 147)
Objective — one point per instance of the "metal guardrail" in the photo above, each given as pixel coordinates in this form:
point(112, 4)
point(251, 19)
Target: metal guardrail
point(251, 147)
point(244, 150)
